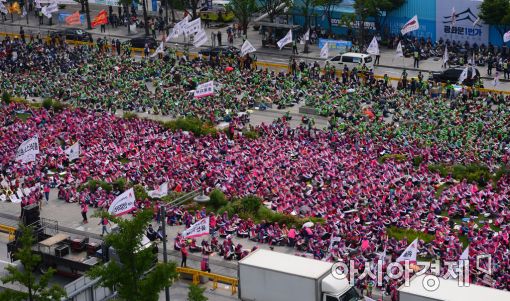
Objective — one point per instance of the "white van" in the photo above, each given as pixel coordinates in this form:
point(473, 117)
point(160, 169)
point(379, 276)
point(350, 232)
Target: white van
point(353, 59)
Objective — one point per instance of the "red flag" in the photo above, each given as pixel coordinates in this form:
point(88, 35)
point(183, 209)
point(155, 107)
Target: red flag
point(100, 19)
point(73, 19)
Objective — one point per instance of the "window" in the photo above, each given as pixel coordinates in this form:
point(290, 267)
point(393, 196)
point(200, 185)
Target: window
point(368, 59)
point(356, 60)
point(347, 59)
point(336, 58)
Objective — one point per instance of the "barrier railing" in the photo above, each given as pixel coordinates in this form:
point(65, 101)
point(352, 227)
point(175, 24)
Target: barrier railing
point(9, 230)
point(257, 63)
point(196, 274)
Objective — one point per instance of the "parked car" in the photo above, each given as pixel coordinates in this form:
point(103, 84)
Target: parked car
point(352, 59)
point(75, 34)
point(140, 42)
point(452, 76)
point(214, 51)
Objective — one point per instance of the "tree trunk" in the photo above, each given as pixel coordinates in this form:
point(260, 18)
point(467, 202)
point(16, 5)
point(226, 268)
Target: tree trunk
point(87, 11)
point(145, 19)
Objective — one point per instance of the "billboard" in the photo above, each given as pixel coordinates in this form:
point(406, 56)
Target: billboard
point(464, 25)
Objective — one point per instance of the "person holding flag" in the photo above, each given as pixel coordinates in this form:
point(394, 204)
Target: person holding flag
point(373, 49)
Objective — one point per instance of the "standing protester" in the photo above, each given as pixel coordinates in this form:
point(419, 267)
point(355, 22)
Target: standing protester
point(22, 34)
point(46, 191)
point(490, 65)
point(84, 210)
point(184, 255)
point(416, 56)
point(219, 38)
point(104, 222)
point(294, 47)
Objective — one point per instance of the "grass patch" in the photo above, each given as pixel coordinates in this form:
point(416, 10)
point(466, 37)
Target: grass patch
point(473, 173)
point(409, 234)
point(395, 157)
point(252, 207)
point(441, 188)
point(23, 116)
point(129, 115)
point(191, 124)
point(123, 160)
point(251, 134)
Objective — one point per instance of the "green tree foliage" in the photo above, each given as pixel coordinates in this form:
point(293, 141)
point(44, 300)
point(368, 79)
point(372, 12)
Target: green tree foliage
point(496, 13)
point(375, 9)
point(243, 10)
point(37, 289)
point(273, 7)
point(196, 293)
point(306, 7)
point(327, 6)
point(134, 276)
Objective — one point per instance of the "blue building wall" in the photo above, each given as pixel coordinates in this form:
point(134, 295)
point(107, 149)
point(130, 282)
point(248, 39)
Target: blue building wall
point(424, 9)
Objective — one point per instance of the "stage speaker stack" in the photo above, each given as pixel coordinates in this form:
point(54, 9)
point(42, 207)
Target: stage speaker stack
point(30, 214)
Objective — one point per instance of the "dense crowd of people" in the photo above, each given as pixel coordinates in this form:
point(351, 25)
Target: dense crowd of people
point(334, 174)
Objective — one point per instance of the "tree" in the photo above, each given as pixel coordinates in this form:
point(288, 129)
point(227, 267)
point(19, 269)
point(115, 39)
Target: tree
point(36, 289)
point(378, 9)
point(134, 276)
point(196, 293)
point(497, 14)
point(306, 7)
point(193, 4)
point(274, 7)
point(243, 10)
point(327, 6)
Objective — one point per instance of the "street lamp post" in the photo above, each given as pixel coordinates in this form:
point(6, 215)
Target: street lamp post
point(165, 256)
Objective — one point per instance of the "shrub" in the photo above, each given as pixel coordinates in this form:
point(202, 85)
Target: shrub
point(251, 204)
point(129, 115)
point(191, 124)
point(120, 184)
point(47, 103)
point(251, 134)
point(140, 193)
point(58, 106)
point(217, 199)
point(6, 97)
point(473, 173)
point(396, 157)
point(417, 160)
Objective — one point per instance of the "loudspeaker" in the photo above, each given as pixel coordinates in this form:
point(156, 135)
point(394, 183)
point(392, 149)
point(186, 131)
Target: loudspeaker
point(30, 214)
point(62, 250)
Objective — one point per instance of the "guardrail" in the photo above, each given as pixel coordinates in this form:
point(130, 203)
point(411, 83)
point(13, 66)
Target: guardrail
point(196, 274)
point(9, 230)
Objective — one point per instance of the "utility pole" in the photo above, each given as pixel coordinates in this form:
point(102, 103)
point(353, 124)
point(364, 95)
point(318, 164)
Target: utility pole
point(165, 256)
point(145, 19)
point(87, 13)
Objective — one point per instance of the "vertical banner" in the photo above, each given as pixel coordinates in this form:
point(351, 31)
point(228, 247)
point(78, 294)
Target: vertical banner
point(458, 20)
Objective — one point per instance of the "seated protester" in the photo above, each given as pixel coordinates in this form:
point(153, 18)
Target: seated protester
point(151, 234)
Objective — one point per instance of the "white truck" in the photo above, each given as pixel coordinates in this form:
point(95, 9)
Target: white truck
point(421, 288)
point(272, 276)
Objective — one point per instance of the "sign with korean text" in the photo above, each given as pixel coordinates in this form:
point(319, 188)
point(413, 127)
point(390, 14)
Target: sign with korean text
point(199, 228)
point(205, 89)
point(464, 26)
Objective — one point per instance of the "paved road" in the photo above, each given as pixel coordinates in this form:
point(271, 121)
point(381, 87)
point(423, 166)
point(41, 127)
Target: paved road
point(389, 64)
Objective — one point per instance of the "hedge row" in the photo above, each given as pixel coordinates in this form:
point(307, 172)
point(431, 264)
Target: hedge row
point(251, 207)
point(396, 157)
point(473, 173)
point(191, 124)
point(56, 105)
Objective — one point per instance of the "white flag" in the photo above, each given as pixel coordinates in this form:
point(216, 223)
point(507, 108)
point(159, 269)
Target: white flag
point(463, 75)
point(454, 16)
point(373, 48)
point(285, 40)
point(476, 21)
point(325, 51)
point(411, 25)
point(445, 55)
point(306, 36)
point(399, 53)
point(205, 89)
point(73, 152)
point(24, 13)
point(200, 38)
point(409, 253)
point(160, 49)
point(123, 204)
point(506, 36)
point(199, 228)
point(46, 12)
point(3, 9)
point(496, 79)
point(28, 150)
point(160, 191)
point(247, 48)
point(37, 4)
point(193, 26)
